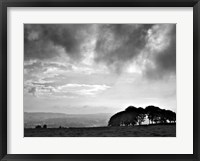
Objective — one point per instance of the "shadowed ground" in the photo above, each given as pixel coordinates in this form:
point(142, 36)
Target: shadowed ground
point(136, 131)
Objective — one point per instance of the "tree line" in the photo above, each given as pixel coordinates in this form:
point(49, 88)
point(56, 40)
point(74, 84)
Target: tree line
point(132, 115)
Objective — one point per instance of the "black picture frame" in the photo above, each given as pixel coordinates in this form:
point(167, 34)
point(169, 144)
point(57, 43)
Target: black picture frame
point(4, 4)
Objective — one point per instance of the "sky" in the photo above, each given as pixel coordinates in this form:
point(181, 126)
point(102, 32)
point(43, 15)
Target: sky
point(99, 68)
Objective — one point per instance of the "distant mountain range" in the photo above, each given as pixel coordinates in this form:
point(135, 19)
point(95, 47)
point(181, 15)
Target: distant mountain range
point(55, 120)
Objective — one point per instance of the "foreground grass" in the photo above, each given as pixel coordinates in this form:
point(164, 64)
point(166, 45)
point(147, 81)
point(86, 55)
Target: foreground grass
point(135, 131)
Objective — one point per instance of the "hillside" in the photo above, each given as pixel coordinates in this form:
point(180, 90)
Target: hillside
point(54, 120)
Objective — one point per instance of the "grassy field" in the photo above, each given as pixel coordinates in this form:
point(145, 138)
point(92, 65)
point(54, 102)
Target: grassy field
point(136, 131)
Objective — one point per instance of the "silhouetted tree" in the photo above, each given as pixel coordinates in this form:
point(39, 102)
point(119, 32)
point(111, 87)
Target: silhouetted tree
point(132, 115)
point(115, 120)
point(141, 115)
point(150, 113)
point(171, 116)
point(124, 118)
point(163, 116)
point(44, 126)
point(157, 115)
point(38, 127)
point(131, 109)
point(153, 113)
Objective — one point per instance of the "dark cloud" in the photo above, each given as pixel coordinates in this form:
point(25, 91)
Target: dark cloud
point(118, 44)
point(43, 41)
point(164, 61)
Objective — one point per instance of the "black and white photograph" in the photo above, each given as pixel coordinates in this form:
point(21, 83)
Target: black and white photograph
point(99, 80)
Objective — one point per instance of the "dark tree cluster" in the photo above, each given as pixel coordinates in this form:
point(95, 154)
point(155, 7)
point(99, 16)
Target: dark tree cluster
point(132, 116)
point(39, 126)
point(157, 115)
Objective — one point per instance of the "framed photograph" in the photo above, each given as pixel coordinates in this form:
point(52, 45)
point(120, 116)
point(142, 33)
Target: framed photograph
point(109, 80)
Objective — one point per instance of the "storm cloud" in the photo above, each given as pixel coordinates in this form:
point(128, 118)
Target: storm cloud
point(151, 46)
point(43, 41)
point(119, 45)
point(163, 52)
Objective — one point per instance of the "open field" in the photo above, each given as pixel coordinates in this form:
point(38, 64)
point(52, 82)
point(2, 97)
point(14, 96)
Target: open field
point(130, 131)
